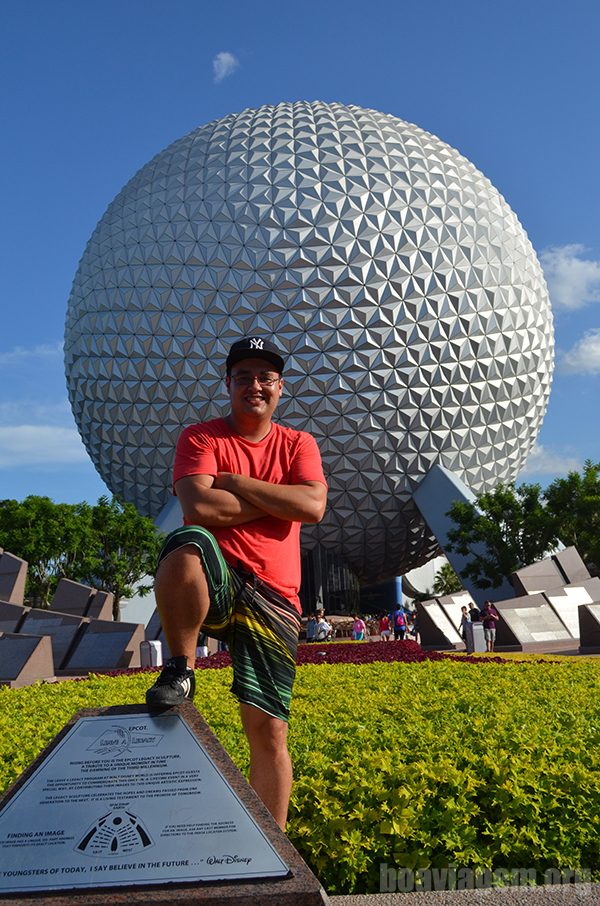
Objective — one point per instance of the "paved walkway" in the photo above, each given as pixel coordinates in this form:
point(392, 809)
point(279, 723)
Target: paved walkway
point(569, 895)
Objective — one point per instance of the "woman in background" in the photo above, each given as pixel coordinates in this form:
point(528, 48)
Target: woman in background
point(384, 628)
point(358, 628)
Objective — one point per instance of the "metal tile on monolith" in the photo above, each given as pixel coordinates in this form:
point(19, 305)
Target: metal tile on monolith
point(529, 623)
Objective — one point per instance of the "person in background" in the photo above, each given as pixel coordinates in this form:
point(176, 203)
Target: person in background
point(310, 628)
point(399, 623)
point(474, 613)
point(415, 627)
point(465, 620)
point(384, 628)
point(322, 628)
point(359, 628)
point(489, 616)
point(202, 645)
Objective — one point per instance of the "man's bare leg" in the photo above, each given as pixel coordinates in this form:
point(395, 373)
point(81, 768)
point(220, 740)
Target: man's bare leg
point(270, 762)
point(182, 599)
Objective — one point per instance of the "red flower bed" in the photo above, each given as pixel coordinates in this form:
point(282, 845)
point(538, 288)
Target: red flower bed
point(406, 652)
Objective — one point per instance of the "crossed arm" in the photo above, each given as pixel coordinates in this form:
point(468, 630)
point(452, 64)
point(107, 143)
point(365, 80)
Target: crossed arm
point(235, 499)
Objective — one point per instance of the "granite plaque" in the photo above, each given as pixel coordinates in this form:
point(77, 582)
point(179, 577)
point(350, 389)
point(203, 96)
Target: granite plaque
point(536, 578)
point(452, 606)
point(529, 624)
point(100, 606)
point(25, 659)
point(61, 627)
point(125, 800)
point(105, 646)
point(589, 628)
point(13, 578)
point(71, 597)
point(165, 646)
point(570, 563)
point(566, 601)
point(442, 622)
point(11, 616)
point(435, 629)
point(153, 627)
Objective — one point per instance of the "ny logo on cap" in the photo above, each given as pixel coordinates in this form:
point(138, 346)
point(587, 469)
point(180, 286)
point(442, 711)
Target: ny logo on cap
point(256, 343)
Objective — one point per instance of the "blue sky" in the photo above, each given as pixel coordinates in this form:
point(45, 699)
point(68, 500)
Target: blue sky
point(91, 91)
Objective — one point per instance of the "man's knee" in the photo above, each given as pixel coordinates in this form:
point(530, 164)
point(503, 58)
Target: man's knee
point(179, 564)
point(264, 732)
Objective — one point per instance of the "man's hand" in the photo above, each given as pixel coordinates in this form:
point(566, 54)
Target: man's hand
point(303, 502)
point(236, 499)
point(204, 504)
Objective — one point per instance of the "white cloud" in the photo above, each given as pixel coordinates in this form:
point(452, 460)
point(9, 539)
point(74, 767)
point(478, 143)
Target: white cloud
point(44, 446)
point(22, 353)
point(584, 357)
point(572, 281)
point(542, 461)
point(224, 64)
point(24, 410)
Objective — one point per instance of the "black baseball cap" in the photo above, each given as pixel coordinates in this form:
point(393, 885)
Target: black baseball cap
point(255, 348)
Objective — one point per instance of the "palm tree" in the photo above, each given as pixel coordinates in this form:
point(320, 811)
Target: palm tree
point(446, 582)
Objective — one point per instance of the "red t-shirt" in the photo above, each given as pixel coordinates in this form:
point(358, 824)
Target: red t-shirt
point(268, 547)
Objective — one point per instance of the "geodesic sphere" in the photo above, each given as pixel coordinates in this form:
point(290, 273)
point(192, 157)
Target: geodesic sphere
point(407, 295)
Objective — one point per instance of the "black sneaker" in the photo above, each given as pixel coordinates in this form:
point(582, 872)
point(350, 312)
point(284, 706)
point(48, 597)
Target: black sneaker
point(175, 683)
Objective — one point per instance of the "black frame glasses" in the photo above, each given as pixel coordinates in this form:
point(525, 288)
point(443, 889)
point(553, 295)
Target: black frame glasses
point(246, 380)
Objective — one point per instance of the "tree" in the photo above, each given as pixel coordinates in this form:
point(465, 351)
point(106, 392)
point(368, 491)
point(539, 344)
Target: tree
point(513, 527)
point(123, 550)
point(446, 582)
point(108, 546)
point(574, 502)
point(421, 596)
point(51, 537)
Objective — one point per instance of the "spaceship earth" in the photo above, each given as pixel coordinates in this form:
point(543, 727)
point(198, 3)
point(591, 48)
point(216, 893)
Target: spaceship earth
point(406, 294)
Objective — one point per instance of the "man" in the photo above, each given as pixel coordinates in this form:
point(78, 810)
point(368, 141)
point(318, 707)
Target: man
point(474, 613)
point(489, 615)
point(245, 483)
point(399, 623)
point(323, 629)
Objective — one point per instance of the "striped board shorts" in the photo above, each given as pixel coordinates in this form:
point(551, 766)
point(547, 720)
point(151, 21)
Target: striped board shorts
point(259, 625)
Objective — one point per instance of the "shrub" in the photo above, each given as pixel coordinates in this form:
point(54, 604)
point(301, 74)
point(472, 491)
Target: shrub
point(414, 764)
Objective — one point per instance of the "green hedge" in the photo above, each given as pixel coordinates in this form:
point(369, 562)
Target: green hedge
point(414, 765)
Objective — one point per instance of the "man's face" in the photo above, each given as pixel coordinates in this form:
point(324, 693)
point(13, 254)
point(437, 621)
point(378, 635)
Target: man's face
point(248, 395)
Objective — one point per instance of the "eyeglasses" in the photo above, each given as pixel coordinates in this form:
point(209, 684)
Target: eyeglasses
point(246, 380)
